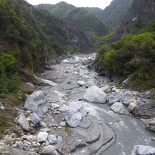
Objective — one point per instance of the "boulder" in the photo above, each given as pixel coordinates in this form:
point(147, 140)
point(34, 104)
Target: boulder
point(37, 102)
point(74, 112)
point(145, 150)
point(119, 108)
point(52, 139)
point(44, 81)
point(23, 122)
point(95, 94)
point(48, 150)
point(114, 99)
point(131, 106)
point(81, 83)
point(34, 118)
point(151, 125)
point(42, 136)
point(106, 89)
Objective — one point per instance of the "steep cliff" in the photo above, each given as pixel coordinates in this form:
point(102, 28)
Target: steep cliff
point(141, 13)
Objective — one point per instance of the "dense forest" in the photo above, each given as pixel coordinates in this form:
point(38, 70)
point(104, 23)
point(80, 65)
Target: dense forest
point(30, 37)
point(131, 51)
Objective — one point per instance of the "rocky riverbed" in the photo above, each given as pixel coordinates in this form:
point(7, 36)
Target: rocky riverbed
point(76, 112)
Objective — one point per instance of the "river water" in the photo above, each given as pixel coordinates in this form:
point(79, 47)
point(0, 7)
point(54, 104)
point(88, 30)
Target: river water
point(129, 131)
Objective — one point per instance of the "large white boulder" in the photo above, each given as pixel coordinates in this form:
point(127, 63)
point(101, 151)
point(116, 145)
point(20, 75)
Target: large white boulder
point(23, 122)
point(119, 108)
point(42, 137)
point(74, 112)
point(37, 102)
point(143, 150)
point(95, 94)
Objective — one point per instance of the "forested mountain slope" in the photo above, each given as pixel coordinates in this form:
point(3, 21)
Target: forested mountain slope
point(33, 35)
point(133, 52)
point(82, 18)
point(141, 13)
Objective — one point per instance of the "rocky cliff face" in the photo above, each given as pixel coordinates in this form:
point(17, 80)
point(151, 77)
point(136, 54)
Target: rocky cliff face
point(141, 13)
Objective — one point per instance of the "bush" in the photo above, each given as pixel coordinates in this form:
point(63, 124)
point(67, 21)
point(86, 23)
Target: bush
point(133, 54)
point(9, 80)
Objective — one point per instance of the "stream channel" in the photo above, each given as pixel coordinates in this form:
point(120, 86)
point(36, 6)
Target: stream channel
point(129, 130)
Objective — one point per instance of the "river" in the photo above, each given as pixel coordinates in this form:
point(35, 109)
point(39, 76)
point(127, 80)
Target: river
point(129, 131)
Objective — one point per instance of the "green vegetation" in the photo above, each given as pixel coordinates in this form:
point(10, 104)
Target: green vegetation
point(9, 80)
point(33, 35)
point(83, 18)
point(132, 54)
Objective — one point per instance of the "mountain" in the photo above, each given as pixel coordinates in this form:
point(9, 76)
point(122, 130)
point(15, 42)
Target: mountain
point(59, 10)
point(84, 19)
point(33, 35)
point(87, 22)
point(131, 52)
point(114, 14)
point(141, 13)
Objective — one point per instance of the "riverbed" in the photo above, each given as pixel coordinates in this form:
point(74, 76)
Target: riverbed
point(129, 130)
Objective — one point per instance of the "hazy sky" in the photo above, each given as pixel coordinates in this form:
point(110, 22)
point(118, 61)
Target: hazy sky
point(78, 3)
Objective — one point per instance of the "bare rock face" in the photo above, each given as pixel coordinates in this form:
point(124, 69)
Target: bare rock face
point(95, 94)
point(37, 102)
point(92, 137)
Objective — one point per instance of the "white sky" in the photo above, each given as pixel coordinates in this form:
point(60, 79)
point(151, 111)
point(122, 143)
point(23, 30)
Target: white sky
point(78, 3)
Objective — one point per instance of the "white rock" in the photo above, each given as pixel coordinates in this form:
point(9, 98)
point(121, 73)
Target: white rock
point(48, 150)
point(23, 122)
point(65, 61)
point(119, 108)
point(131, 106)
point(42, 137)
point(52, 139)
point(34, 118)
point(74, 113)
point(45, 81)
point(37, 102)
point(95, 94)
point(81, 83)
point(145, 150)
point(106, 89)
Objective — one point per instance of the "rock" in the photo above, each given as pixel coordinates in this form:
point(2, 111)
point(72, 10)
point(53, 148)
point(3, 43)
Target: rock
point(114, 99)
point(131, 106)
point(42, 137)
point(52, 139)
point(63, 124)
point(119, 108)
point(48, 150)
point(23, 122)
point(151, 125)
point(44, 81)
point(81, 83)
point(126, 81)
point(49, 68)
point(8, 150)
point(34, 118)
point(147, 95)
point(9, 140)
point(65, 61)
point(59, 94)
point(106, 89)
point(95, 94)
point(146, 110)
point(37, 102)
point(74, 112)
point(30, 84)
point(145, 150)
